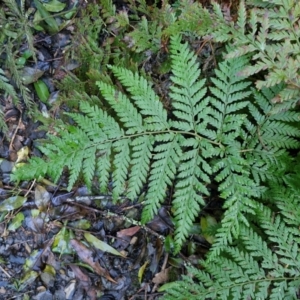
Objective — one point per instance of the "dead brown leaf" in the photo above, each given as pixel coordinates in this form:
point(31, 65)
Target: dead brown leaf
point(128, 231)
point(161, 277)
point(85, 281)
point(86, 255)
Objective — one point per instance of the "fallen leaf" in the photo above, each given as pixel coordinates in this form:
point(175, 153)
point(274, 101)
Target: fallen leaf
point(100, 244)
point(142, 271)
point(84, 281)
point(46, 16)
point(12, 203)
point(70, 289)
point(80, 224)
point(54, 6)
point(41, 90)
point(86, 255)
point(22, 154)
point(41, 197)
point(61, 242)
point(16, 222)
point(128, 231)
point(80, 276)
point(48, 276)
point(161, 277)
point(30, 75)
point(28, 278)
point(206, 223)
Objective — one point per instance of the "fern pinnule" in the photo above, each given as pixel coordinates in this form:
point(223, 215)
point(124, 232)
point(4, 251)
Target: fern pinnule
point(188, 201)
point(230, 97)
point(187, 91)
point(121, 164)
point(107, 124)
point(271, 38)
point(104, 166)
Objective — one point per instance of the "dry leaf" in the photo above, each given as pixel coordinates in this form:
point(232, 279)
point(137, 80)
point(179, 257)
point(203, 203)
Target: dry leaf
point(85, 281)
point(128, 231)
point(86, 255)
point(161, 277)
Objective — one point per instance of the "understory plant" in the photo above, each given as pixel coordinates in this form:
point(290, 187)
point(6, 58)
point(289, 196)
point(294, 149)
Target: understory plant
point(226, 131)
point(15, 30)
point(268, 30)
point(262, 263)
point(228, 134)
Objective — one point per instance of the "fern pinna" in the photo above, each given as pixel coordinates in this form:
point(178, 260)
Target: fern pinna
point(262, 264)
point(211, 135)
point(264, 261)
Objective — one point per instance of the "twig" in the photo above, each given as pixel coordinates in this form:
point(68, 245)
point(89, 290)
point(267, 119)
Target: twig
point(108, 213)
point(162, 269)
point(15, 133)
point(5, 272)
point(30, 188)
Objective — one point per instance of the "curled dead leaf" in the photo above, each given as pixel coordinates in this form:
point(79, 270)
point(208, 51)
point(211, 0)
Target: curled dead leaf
point(161, 277)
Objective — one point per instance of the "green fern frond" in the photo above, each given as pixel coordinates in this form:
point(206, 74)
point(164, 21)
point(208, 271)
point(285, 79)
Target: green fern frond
point(223, 137)
point(162, 174)
point(269, 32)
point(142, 148)
point(185, 17)
point(255, 267)
point(16, 73)
point(3, 126)
point(146, 36)
point(108, 8)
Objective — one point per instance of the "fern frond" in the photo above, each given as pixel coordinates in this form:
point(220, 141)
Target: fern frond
point(272, 40)
point(232, 171)
point(3, 126)
point(254, 267)
point(146, 36)
point(125, 110)
point(121, 165)
point(233, 136)
point(188, 201)
point(188, 90)
point(108, 8)
point(16, 73)
point(185, 19)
